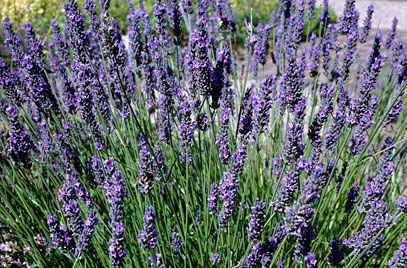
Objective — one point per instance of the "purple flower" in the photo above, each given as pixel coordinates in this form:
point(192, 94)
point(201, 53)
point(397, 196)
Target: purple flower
point(186, 129)
point(336, 254)
point(176, 242)
point(146, 173)
point(87, 231)
point(213, 198)
point(228, 187)
point(59, 237)
point(375, 186)
point(148, 236)
point(368, 81)
point(59, 59)
point(294, 31)
point(401, 202)
point(222, 138)
point(399, 258)
point(353, 196)
point(118, 69)
point(392, 33)
point(201, 68)
point(220, 75)
point(202, 121)
point(13, 44)
point(246, 118)
point(214, 258)
point(367, 24)
point(349, 54)
point(262, 104)
point(261, 47)
point(117, 252)
point(314, 56)
point(175, 16)
point(254, 257)
point(334, 130)
point(114, 189)
point(294, 146)
point(325, 17)
point(287, 188)
point(136, 43)
point(19, 144)
point(257, 220)
point(238, 159)
point(311, 260)
point(347, 19)
point(83, 76)
point(156, 262)
point(369, 238)
point(224, 16)
point(327, 94)
point(292, 82)
point(164, 129)
point(187, 6)
point(396, 109)
point(10, 83)
point(160, 18)
point(311, 9)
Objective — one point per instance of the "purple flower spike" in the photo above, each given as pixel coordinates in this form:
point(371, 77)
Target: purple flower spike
point(311, 260)
point(116, 245)
point(187, 6)
point(146, 173)
point(87, 231)
point(353, 196)
point(392, 33)
point(156, 262)
point(347, 19)
point(399, 258)
point(148, 236)
point(369, 239)
point(257, 220)
point(254, 257)
point(213, 198)
point(10, 83)
point(58, 235)
point(401, 202)
point(214, 258)
point(336, 254)
point(311, 9)
point(19, 144)
point(262, 104)
point(325, 17)
point(228, 190)
point(176, 242)
point(367, 24)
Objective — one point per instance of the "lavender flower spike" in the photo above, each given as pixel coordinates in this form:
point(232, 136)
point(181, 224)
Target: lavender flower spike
point(87, 231)
point(116, 245)
point(213, 198)
point(19, 144)
point(399, 258)
point(257, 220)
point(228, 190)
point(367, 24)
point(392, 33)
point(148, 236)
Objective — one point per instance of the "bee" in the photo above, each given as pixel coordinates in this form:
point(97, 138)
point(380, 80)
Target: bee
point(145, 181)
point(313, 73)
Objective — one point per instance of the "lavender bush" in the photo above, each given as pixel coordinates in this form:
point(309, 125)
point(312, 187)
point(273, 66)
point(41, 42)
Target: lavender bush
point(169, 152)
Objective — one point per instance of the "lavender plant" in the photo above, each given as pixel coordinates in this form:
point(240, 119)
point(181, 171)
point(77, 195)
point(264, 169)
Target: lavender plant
point(172, 152)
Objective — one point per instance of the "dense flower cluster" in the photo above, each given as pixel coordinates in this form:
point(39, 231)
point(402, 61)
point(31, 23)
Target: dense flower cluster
point(168, 148)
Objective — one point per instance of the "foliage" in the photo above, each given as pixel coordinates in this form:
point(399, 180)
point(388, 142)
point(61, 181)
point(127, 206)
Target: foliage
point(172, 153)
